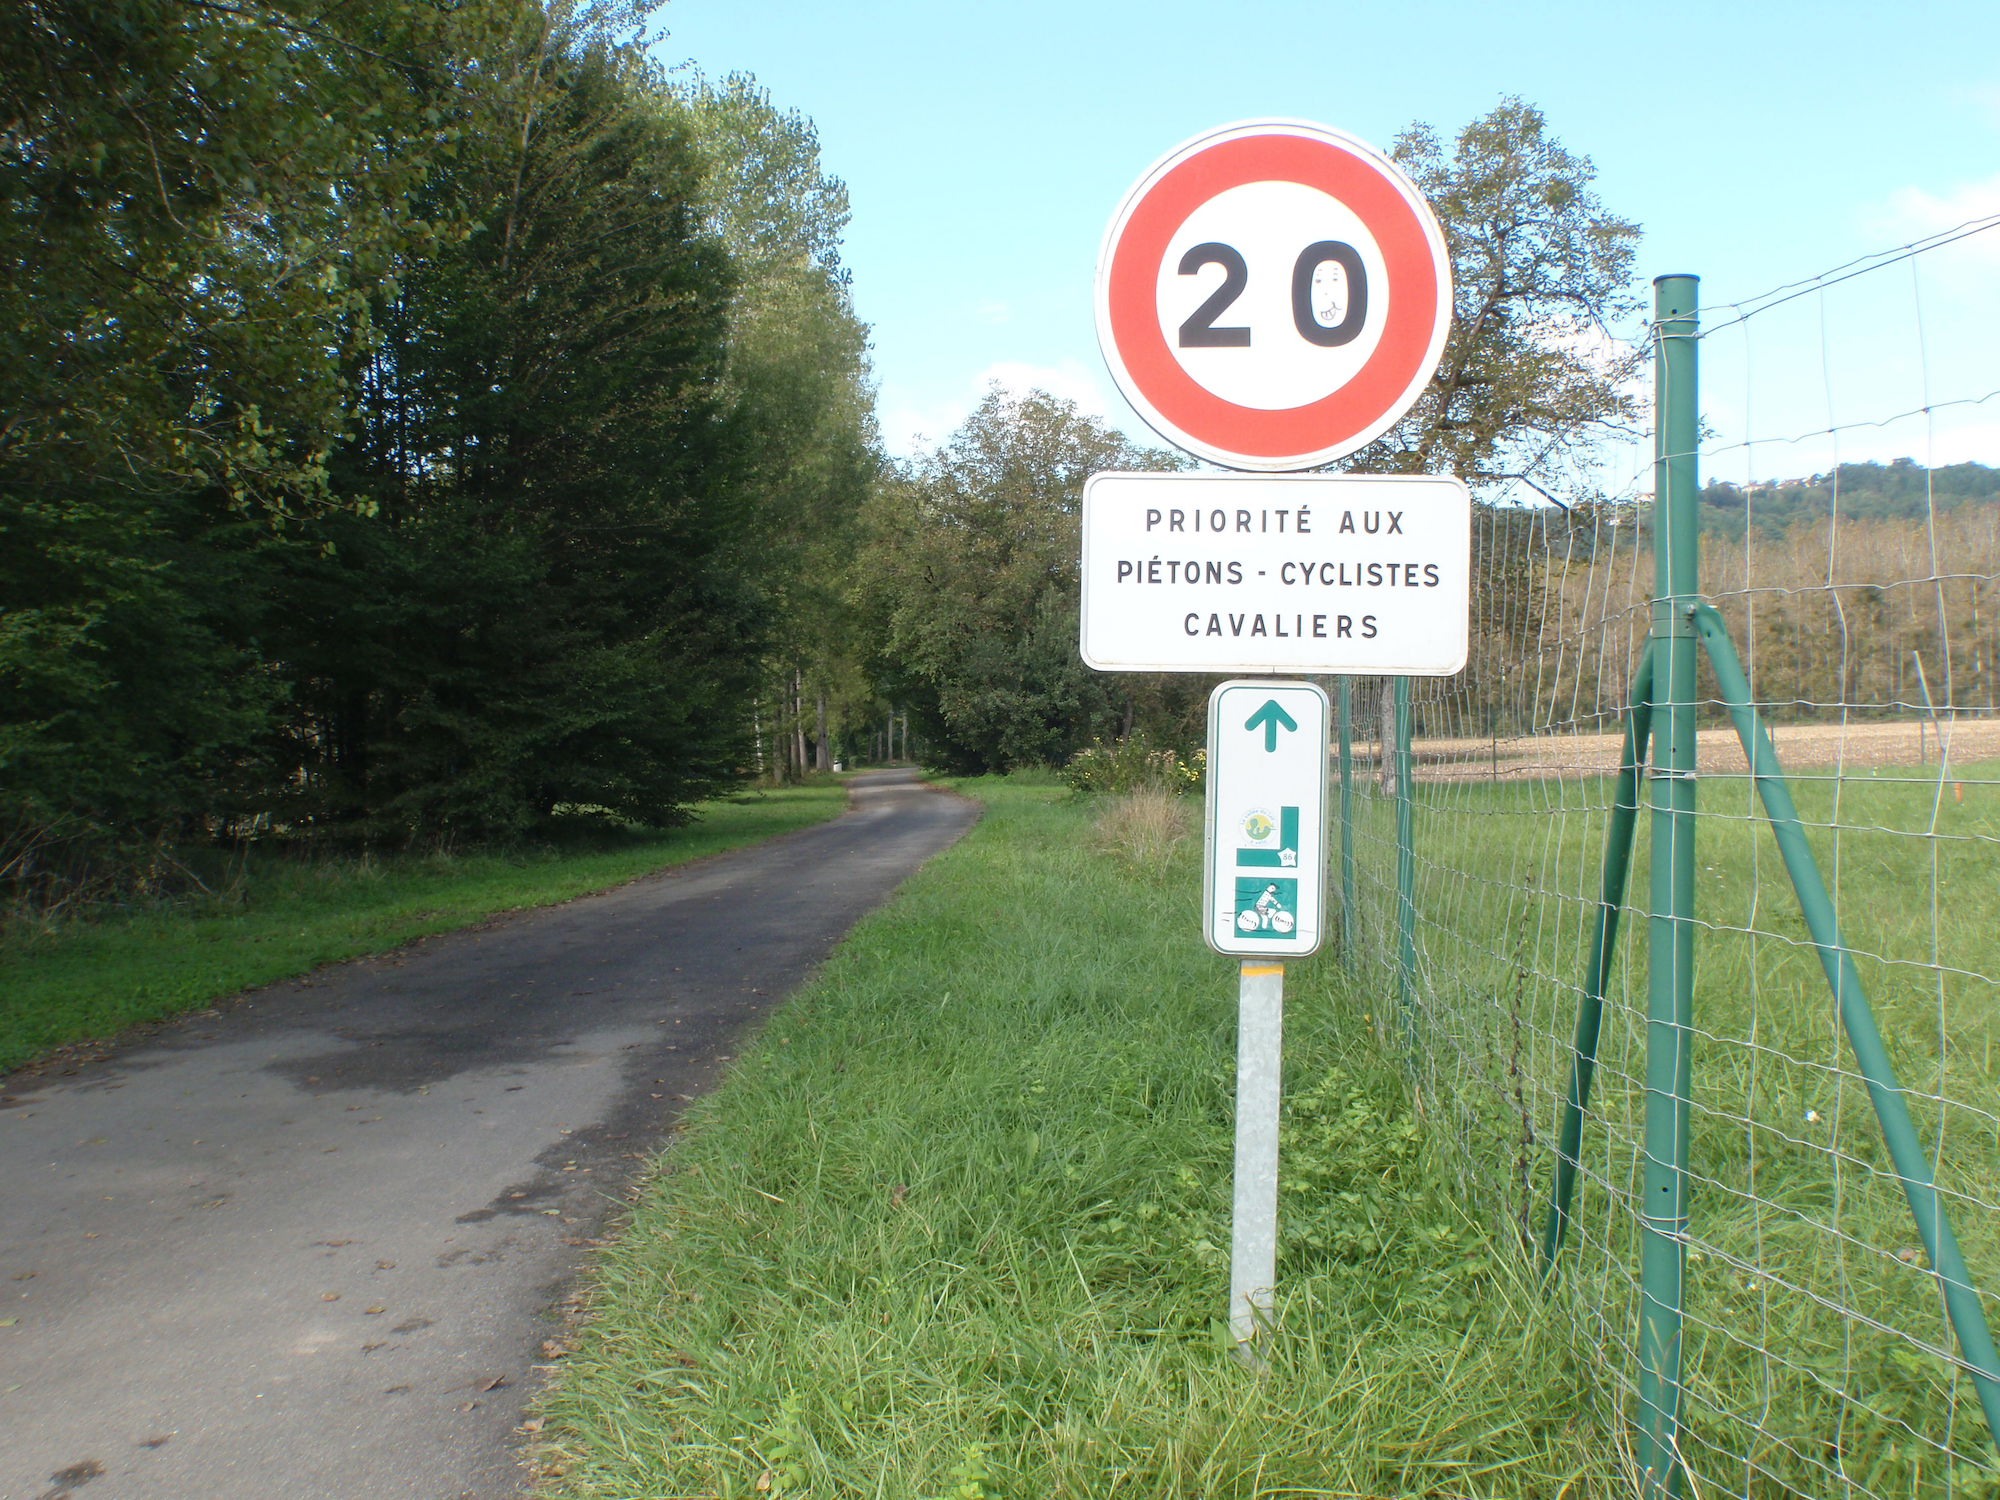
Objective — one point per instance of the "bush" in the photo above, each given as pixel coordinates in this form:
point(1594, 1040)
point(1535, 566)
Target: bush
point(1133, 765)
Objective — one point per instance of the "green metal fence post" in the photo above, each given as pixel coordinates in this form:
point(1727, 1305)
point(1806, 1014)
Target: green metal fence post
point(1406, 863)
point(1603, 949)
point(1347, 938)
point(1670, 928)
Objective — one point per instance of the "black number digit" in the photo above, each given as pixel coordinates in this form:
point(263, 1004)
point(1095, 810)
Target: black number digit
point(1303, 313)
point(1199, 331)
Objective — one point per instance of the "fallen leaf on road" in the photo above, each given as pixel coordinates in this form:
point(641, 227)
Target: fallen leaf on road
point(493, 1384)
point(377, 1308)
point(329, 1296)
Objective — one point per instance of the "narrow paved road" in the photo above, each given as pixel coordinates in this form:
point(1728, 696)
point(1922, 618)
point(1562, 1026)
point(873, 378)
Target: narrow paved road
point(311, 1246)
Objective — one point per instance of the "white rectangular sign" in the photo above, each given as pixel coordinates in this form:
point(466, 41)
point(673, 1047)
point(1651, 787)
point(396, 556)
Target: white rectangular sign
point(1264, 891)
point(1276, 573)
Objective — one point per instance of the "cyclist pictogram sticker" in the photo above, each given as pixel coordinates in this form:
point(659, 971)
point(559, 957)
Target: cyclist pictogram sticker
point(1272, 295)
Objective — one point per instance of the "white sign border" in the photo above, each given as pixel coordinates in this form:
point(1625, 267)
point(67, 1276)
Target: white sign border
point(1084, 573)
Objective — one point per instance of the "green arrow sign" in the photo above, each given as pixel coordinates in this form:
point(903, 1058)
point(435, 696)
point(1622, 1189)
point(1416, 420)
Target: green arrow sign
point(1271, 717)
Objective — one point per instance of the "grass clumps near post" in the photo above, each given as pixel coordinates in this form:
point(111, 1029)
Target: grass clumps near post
point(1142, 796)
point(957, 1229)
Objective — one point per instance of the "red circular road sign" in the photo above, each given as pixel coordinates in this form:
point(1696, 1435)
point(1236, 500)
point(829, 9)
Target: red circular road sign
point(1272, 295)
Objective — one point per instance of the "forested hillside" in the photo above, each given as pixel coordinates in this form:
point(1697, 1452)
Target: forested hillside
point(1900, 490)
point(1834, 605)
point(417, 422)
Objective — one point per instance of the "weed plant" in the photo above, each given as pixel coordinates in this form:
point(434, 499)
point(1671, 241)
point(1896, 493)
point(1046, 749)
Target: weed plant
point(958, 1227)
point(1145, 827)
point(272, 915)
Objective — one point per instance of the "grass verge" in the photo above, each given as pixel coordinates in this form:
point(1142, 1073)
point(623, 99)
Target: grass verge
point(956, 1229)
point(276, 916)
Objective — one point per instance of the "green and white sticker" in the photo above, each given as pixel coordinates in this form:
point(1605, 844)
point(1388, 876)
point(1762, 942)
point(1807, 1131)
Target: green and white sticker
point(1264, 891)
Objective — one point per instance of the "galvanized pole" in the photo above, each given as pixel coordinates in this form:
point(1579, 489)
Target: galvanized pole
point(1347, 939)
point(1406, 863)
point(1253, 1222)
point(1670, 930)
point(1930, 709)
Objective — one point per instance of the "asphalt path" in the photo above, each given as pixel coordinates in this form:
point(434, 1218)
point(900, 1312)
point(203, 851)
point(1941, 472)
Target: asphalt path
point(315, 1243)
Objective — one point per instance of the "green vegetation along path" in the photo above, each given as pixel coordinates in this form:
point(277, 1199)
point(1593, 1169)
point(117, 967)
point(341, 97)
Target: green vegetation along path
point(312, 1244)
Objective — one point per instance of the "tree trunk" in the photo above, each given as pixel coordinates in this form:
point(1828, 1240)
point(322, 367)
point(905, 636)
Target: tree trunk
point(799, 761)
point(824, 751)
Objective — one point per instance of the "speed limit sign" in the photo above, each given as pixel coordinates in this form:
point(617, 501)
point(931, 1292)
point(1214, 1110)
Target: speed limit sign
point(1273, 295)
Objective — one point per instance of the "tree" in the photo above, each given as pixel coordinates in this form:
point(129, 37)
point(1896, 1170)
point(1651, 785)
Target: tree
point(797, 379)
point(197, 204)
point(1530, 374)
point(1540, 270)
point(972, 574)
point(535, 604)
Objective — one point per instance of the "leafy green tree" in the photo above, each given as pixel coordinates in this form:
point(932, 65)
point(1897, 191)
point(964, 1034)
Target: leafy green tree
point(197, 203)
point(534, 605)
point(802, 409)
point(972, 578)
point(1540, 270)
point(1530, 375)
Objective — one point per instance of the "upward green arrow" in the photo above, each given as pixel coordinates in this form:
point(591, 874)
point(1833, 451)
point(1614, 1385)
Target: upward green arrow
point(1271, 716)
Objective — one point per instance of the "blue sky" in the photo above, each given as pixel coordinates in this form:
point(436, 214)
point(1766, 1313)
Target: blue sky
point(986, 146)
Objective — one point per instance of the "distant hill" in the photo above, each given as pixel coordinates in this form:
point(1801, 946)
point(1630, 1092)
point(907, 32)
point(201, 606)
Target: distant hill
point(1901, 490)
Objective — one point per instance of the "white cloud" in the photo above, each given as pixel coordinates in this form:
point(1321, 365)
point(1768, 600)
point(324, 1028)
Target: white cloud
point(1914, 213)
point(912, 423)
point(1072, 380)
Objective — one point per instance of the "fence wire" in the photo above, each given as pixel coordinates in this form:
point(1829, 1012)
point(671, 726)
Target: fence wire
point(1865, 601)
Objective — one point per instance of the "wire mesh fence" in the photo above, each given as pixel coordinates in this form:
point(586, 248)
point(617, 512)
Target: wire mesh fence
point(1817, 1355)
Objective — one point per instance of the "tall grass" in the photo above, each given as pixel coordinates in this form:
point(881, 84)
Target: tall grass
point(1818, 1357)
point(958, 1227)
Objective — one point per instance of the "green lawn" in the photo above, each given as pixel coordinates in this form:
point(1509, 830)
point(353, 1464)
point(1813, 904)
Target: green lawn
point(276, 916)
point(957, 1228)
point(1814, 1325)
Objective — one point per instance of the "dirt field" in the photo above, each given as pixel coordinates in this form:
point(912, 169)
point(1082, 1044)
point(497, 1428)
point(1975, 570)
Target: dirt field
point(1853, 747)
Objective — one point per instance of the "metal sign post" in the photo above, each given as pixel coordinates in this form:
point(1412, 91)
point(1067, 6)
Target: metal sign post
point(1253, 1216)
point(1264, 899)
